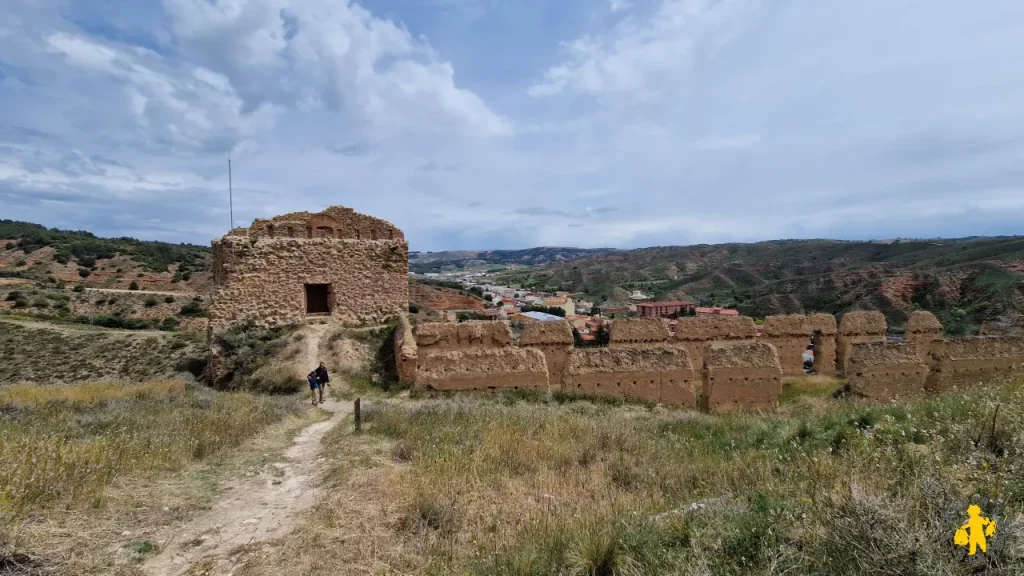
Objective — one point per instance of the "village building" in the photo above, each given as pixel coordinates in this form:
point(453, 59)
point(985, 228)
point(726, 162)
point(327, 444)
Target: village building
point(662, 308)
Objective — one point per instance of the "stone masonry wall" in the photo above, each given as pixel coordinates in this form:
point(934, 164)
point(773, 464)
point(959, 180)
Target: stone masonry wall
point(924, 331)
point(857, 327)
point(657, 373)
point(741, 376)
point(638, 332)
point(447, 336)
point(886, 370)
point(335, 222)
point(263, 279)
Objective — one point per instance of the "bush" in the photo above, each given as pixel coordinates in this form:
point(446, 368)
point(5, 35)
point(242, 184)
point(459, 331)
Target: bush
point(186, 275)
point(87, 262)
point(134, 285)
point(413, 309)
point(84, 272)
point(193, 309)
point(20, 263)
point(169, 300)
point(149, 302)
point(13, 295)
point(78, 288)
point(20, 303)
point(11, 245)
point(169, 324)
point(41, 303)
point(245, 350)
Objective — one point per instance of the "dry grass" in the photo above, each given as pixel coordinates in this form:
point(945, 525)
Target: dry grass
point(488, 486)
point(88, 394)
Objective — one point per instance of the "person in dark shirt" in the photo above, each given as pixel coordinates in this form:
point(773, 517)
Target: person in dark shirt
point(311, 378)
point(322, 379)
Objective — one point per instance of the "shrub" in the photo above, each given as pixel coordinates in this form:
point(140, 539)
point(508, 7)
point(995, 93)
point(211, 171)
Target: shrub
point(186, 275)
point(20, 303)
point(11, 245)
point(84, 272)
point(41, 303)
point(193, 309)
point(413, 309)
point(13, 295)
point(245, 350)
point(20, 263)
point(134, 285)
point(169, 300)
point(149, 302)
point(78, 288)
point(87, 262)
point(169, 324)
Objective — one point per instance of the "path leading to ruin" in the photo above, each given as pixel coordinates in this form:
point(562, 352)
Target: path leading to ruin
point(264, 507)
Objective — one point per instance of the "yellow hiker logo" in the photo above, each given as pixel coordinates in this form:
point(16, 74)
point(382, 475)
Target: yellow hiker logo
point(973, 532)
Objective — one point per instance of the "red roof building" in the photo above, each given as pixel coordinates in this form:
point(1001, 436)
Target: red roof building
point(657, 309)
point(716, 311)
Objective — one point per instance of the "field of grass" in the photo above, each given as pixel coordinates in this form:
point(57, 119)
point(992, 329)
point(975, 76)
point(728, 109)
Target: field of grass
point(50, 353)
point(495, 484)
point(83, 466)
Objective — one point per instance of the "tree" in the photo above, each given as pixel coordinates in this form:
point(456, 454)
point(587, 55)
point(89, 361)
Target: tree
point(134, 285)
point(577, 338)
point(489, 297)
point(602, 336)
point(594, 311)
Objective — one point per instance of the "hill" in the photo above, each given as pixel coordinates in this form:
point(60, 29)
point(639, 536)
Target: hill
point(424, 262)
point(38, 253)
point(964, 281)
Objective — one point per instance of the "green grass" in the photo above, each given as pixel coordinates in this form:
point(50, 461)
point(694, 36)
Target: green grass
point(821, 487)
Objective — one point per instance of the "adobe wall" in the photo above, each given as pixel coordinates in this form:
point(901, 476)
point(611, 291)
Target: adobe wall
point(657, 373)
point(696, 333)
point(554, 340)
point(741, 376)
point(405, 351)
point(449, 336)
point(483, 368)
point(886, 370)
point(629, 332)
point(854, 328)
point(923, 330)
point(790, 334)
point(968, 362)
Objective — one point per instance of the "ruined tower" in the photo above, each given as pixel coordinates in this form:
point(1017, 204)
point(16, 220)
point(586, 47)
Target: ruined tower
point(337, 264)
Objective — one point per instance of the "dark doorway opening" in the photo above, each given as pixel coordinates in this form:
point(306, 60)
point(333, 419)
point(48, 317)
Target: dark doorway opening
point(318, 298)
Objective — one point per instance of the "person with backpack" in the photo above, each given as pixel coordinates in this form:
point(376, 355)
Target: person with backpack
point(322, 379)
point(313, 386)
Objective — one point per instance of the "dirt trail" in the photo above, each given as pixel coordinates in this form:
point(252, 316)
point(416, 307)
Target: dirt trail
point(256, 508)
point(75, 329)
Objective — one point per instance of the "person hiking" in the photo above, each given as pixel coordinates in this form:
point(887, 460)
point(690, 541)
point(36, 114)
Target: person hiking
point(322, 379)
point(313, 386)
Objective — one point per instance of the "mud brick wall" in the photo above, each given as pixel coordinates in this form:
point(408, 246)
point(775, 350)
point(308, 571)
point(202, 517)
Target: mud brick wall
point(554, 340)
point(968, 362)
point(790, 334)
point(405, 351)
point(924, 331)
point(482, 369)
point(629, 332)
point(447, 336)
point(657, 373)
point(886, 370)
point(697, 333)
point(854, 328)
point(741, 376)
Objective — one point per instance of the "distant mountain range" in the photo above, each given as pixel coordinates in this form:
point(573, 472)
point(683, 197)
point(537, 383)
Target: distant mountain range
point(424, 262)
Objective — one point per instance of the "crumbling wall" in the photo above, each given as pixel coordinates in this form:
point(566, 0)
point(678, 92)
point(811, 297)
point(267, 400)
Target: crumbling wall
point(483, 368)
point(405, 351)
point(856, 327)
point(554, 340)
point(790, 334)
point(741, 376)
point(968, 362)
point(263, 279)
point(657, 373)
point(886, 370)
point(336, 222)
point(696, 333)
point(924, 331)
point(629, 332)
point(448, 336)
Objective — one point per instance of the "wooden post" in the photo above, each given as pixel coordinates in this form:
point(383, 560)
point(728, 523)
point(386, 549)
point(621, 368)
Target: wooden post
point(359, 416)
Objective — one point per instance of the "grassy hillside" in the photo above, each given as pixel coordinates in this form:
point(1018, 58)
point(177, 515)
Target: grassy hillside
point(63, 256)
point(964, 281)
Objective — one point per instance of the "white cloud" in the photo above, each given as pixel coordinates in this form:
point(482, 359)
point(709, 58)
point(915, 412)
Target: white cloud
point(619, 5)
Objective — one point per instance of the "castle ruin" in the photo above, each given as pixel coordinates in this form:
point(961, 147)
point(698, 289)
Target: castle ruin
point(337, 264)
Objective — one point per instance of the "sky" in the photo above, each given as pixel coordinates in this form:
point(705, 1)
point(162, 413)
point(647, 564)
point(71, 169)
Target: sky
point(487, 124)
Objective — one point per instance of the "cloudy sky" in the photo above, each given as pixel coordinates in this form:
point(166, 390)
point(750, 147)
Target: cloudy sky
point(517, 123)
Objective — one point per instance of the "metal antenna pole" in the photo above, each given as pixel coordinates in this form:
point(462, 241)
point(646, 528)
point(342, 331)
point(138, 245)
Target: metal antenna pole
point(231, 200)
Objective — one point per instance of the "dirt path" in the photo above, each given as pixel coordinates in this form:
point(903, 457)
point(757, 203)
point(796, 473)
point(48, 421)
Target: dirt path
point(257, 508)
point(73, 329)
point(156, 292)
